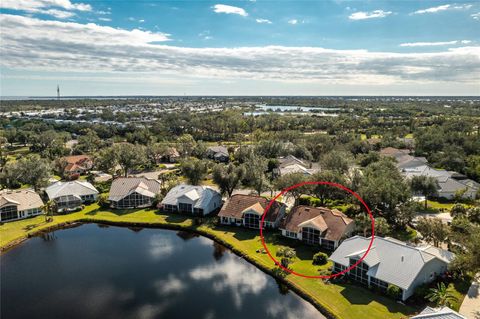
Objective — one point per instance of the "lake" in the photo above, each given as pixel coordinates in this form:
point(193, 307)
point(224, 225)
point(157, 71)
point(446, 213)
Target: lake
point(292, 110)
point(94, 271)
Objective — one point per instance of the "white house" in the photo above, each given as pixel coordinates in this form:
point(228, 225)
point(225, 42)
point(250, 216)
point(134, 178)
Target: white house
point(198, 200)
point(438, 313)
point(70, 196)
point(18, 204)
point(390, 261)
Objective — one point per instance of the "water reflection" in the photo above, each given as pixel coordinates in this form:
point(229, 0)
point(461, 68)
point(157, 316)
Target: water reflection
point(113, 273)
point(238, 278)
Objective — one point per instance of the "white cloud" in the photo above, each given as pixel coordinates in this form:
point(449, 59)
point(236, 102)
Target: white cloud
point(141, 20)
point(476, 16)
point(293, 21)
point(427, 44)
point(263, 21)
point(444, 7)
point(361, 15)
point(223, 8)
point(38, 45)
point(105, 19)
point(60, 9)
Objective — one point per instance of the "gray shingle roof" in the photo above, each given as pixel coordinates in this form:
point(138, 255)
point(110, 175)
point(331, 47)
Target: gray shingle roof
point(390, 260)
point(76, 188)
point(124, 186)
point(201, 195)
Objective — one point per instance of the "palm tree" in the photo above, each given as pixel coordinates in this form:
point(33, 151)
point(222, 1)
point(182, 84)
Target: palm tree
point(49, 208)
point(441, 295)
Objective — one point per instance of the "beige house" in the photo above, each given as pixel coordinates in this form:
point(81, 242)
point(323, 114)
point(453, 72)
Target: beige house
point(18, 204)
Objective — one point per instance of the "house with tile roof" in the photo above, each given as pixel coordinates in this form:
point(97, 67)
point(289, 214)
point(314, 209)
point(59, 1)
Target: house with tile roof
point(390, 262)
point(247, 210)
point(70, 196)
point(197, 200)
point(19, 204)
point(78, 164)
point(133, 192)
point(317, 226)
point(438, 313)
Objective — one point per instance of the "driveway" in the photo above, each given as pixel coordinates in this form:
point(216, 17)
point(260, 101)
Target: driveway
point(470, 307)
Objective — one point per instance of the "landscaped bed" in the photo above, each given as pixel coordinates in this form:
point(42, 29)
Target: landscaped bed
point(340, 300)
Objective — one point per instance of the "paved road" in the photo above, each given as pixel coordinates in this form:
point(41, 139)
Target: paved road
point(470, 307)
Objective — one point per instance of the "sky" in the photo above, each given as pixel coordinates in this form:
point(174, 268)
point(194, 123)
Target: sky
point(315, 47)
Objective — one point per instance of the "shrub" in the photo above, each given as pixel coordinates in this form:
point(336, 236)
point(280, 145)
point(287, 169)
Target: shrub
point(394, 291)
point(320, 258)
point(421, 291)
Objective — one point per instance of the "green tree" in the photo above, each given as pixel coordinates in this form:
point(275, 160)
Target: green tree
point(324, 192)
point(473, 214)
point(129, 156)
point(382, 228)
point(383, 188)
point(33, 170)
point(336, 161)
point(458, 210)
point(228, 177)
point(425, 185)
point(288, 180)
point(194, 170)
point(255, 168)
point(441, 295)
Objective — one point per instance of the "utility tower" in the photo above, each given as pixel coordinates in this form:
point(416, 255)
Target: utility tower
point(58, 92)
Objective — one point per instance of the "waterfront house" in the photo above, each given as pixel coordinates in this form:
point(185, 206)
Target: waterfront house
point(438, 313)
point(198, 200)
point(69, 196)
point(390, 262)
point(247, 211)
point(133, 192)
point(317, 226)
point(18, 204)
point(218, 153)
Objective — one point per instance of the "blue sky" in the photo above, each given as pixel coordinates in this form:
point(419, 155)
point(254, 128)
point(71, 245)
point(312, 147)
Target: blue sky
point(240, 47)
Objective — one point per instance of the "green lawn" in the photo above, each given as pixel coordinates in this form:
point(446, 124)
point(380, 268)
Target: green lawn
point(344, 301)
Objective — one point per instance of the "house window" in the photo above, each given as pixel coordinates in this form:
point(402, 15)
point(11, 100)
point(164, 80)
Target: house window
point(382, 285)
point(134, 200)
point(291, 234)
point(359, 273)
point(185, 208)
point(198, 211)
point(251, 220)
point(68, 202)
point(338, 268)
point(328, 244)
point(311, 235)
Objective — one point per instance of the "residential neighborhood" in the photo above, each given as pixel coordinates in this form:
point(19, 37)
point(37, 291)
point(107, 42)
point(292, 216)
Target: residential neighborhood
point(424, 209)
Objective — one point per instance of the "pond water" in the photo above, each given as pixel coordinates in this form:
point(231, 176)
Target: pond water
point(293, 110)
point(95, 271)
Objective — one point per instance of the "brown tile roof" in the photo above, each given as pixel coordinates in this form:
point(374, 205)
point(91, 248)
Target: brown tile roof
point(336, 221)
point(76, 159)
point(239, 202)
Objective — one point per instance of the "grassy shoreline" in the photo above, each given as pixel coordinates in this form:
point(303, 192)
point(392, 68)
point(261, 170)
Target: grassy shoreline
point(332, 300)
